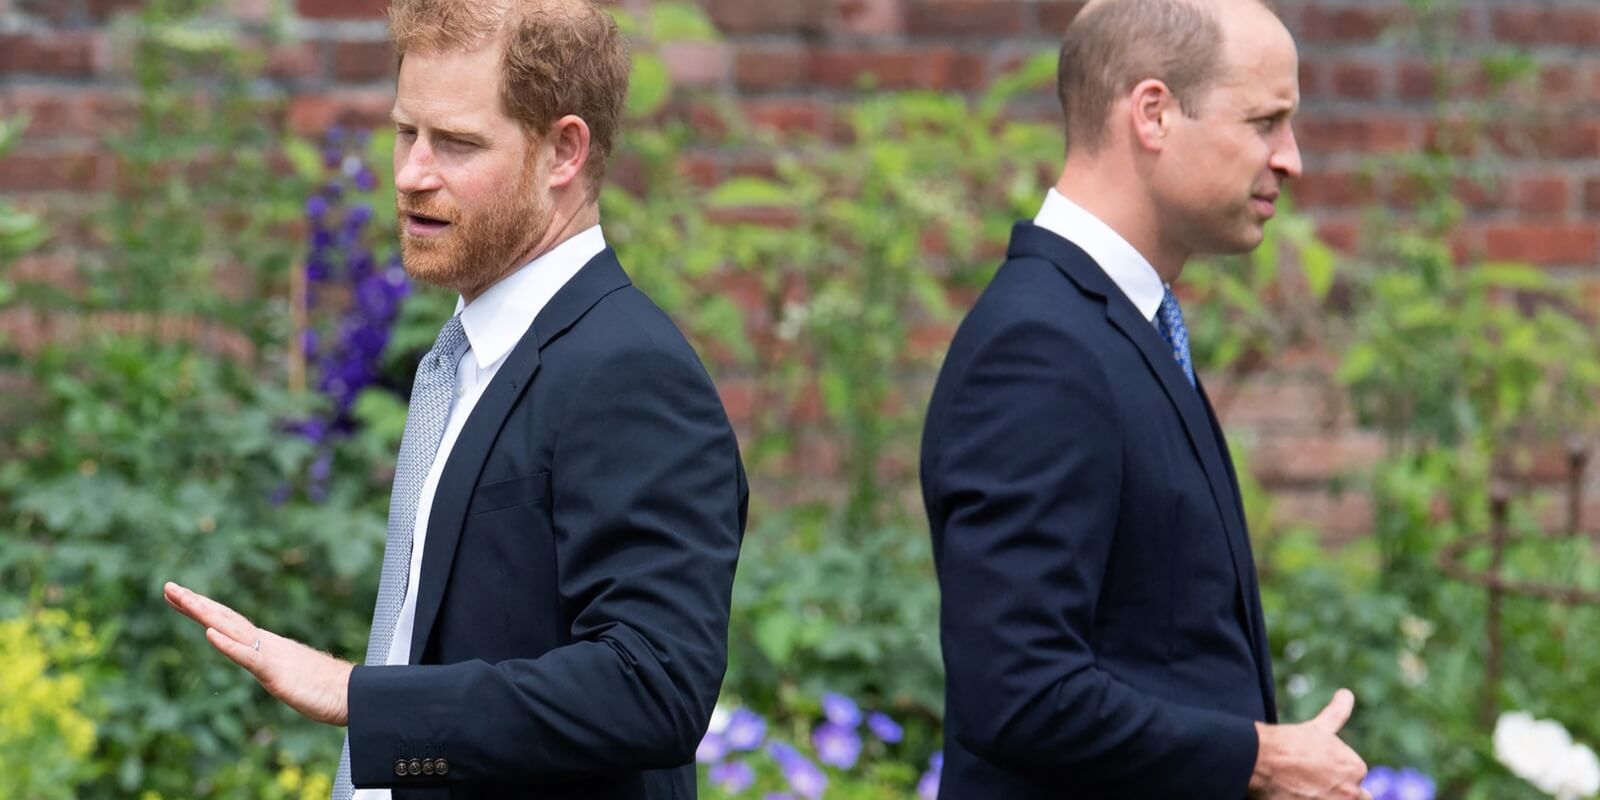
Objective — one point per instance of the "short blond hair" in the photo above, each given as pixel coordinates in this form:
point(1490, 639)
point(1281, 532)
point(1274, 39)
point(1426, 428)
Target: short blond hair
point(561, 57)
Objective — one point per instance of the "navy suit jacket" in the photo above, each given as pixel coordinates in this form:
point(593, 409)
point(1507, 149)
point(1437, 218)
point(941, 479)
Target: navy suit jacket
point(1100, 618)
point(572, 610)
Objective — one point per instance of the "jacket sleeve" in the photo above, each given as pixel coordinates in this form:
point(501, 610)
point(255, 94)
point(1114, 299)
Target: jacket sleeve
point(649, 503)
point(1027, 478)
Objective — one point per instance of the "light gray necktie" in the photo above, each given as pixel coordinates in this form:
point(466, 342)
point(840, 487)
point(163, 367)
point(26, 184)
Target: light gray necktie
point(431, 398)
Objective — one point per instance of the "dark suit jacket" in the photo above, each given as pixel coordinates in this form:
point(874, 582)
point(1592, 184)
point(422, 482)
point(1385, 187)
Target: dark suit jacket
point(1100, 618)
point(572, 610)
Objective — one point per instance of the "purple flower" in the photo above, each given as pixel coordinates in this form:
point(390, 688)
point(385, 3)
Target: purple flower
point(887, 730)
point(777, 796)
point(279, 495)
point(733, 776)
point(1386, 783)
point(783, 753)
point(837, 746)
point(711, 750)
point(745, 730)
point(928, 786)
point(313, 430)
point(805, 778)
point(366, 180)
point(358, 217)
point(841, 710)
point(316, 206)
point(322, 468)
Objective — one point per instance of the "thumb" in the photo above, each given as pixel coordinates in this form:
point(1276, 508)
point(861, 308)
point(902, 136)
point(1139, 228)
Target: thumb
point(1337, 712)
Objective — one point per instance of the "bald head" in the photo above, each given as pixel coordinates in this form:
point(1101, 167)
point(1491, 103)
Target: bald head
point(1113, 45)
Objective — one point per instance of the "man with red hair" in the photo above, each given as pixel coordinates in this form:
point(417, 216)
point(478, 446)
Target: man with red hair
point(568, 501)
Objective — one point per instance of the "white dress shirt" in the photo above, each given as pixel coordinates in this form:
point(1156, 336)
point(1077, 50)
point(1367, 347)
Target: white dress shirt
point(1127, 267)
point(494, 323)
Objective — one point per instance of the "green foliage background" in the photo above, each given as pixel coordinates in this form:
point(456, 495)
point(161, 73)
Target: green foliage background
point(138, 459)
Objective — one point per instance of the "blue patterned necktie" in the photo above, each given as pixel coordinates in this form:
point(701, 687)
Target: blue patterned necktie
point(432, 396)
point(1169, 319)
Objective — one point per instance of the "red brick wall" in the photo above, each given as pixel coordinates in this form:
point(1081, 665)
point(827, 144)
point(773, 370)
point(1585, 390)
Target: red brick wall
point(791, 61)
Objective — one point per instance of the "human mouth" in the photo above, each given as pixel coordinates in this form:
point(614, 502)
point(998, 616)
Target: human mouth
point(1265, 204)
point(424, 225)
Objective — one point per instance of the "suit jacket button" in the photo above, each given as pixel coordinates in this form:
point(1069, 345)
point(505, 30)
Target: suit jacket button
point(427, 766)
point(441, 766)
point(416, 767)
point(400, 767)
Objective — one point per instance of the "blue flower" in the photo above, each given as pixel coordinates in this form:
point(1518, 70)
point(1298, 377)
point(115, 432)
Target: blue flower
point(805, 778)
point(711, 750)
point(841, 710)
point(783, 753)
point(887, 730)
point(745, 730)
point(733, 776)
point(1386, 783)
point(837, 746)
point(366, 180)
point(928, 786)
point(316, 207)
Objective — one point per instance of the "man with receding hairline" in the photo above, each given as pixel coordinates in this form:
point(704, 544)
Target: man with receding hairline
point(568, 501)
point(1100, 617)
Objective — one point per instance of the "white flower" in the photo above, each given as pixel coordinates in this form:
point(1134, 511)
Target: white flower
point(1542, 753)
point(1412, 669)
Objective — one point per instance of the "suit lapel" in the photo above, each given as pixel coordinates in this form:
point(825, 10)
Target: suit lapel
point(1030, 240)
point(600, 277)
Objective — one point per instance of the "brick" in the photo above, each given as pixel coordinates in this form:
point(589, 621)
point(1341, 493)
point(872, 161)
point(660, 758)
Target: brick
point(924, 68)
point(293, 61)
point(1356, 80)
point(1591, 195)
point(1365, 134)
point(698, 63)
point(63, 54)
point(1542, 194)
point(48, 270)
point(1312, 458)
point(867, 17)
point(1559, 83)
point(1340, 517)
point(1056, 15)
point(1572, 25)
point(788, 115)
point(1417, 80)
point(764, 67)
point(312, 115)
point(1311, 79)
point(1343, 235)
point(1340, 189)
point(789, 16)
point(53, 12)
point(738, 399)
point(1543, 243)
point(965, 17)
point(54, 112)
point(1565, 140)
point(363, 62)
point(44, 172)
point(1274, 404)
point(102, 11)
point(1319, 23)
point(342, 9)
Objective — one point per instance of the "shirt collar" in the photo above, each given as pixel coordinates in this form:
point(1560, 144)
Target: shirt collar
point(1128, 269)
point(497, 319)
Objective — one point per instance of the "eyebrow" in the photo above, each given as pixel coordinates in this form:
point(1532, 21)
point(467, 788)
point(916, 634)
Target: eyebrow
point(448, 133)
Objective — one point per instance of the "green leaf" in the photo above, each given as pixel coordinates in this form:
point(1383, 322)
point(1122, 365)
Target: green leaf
point(382, 412)
point(1319, 264)
point(304, 157)
point(680, 22)
point(1037, 73)
point(649, 87)
point(750, 192)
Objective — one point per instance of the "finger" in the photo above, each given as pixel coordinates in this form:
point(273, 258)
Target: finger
point(245, 655)
point(1337, 712)
point(213, 614)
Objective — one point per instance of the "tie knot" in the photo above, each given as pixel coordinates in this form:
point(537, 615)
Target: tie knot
point(451, 337)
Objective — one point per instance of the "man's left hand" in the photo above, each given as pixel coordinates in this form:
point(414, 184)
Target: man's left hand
point(313, 683)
